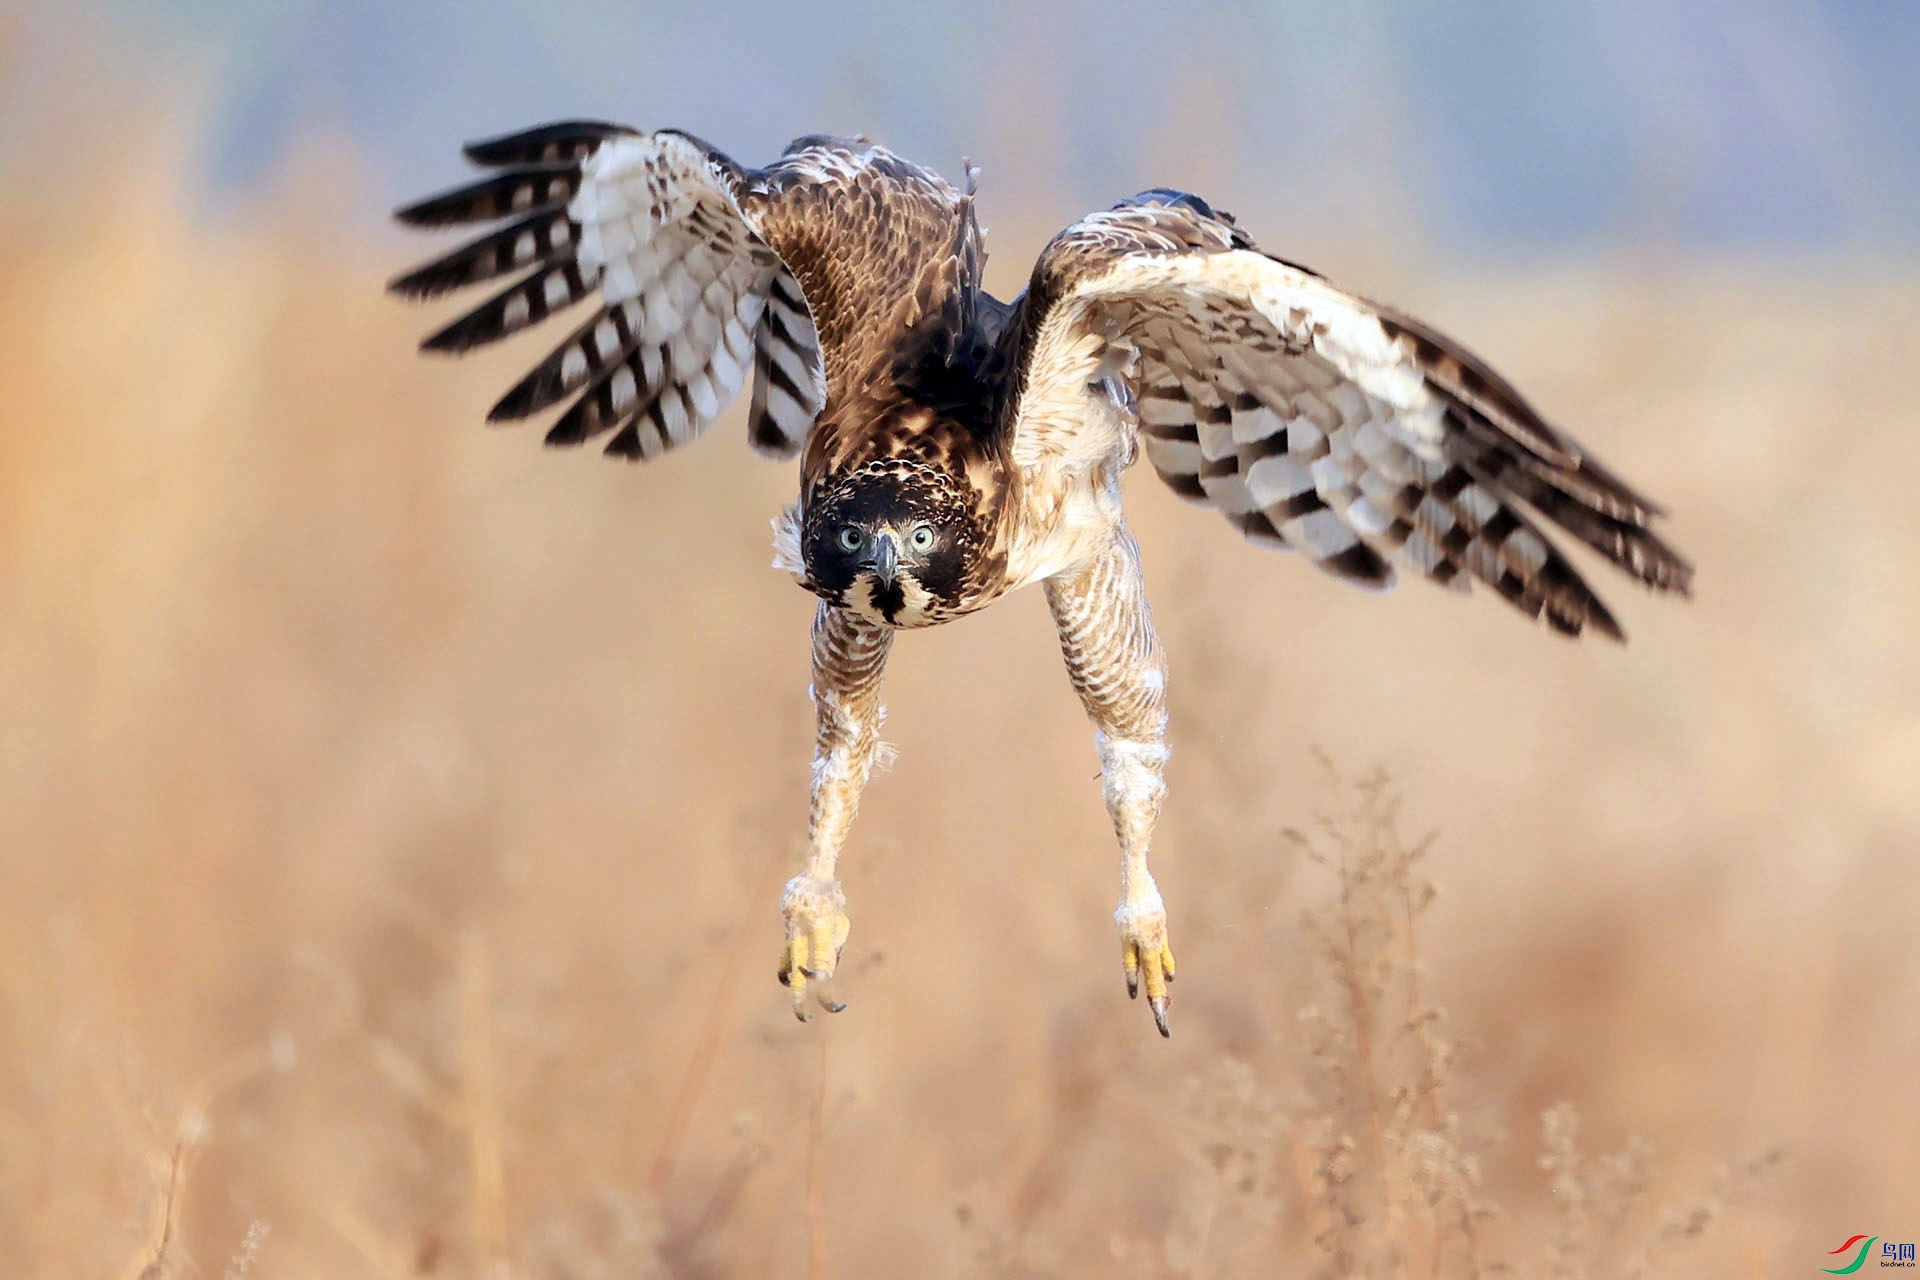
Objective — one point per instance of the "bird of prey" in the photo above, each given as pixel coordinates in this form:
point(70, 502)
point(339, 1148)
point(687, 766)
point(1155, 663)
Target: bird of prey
point(954, 447)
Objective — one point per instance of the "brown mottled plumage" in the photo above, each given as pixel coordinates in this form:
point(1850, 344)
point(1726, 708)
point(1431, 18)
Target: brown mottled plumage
point(954, 447)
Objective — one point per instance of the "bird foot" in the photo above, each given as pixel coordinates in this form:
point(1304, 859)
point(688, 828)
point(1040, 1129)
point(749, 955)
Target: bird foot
point(815, 911)
point(1146, 954)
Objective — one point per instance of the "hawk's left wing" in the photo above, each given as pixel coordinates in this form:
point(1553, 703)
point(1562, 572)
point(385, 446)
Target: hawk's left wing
point(650, 226)
point(1313, 420)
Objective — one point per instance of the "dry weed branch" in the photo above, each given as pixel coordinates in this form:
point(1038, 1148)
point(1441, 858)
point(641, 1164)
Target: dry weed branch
point(1394, 1187)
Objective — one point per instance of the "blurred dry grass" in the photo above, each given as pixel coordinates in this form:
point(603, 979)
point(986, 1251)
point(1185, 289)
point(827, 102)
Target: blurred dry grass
point(390, 813)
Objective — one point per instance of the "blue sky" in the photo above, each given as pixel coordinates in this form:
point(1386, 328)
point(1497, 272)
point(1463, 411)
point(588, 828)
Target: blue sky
point(1479, 124)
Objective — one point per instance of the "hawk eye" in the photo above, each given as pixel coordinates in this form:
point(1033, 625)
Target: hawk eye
point(849, 538)
point(921, 537)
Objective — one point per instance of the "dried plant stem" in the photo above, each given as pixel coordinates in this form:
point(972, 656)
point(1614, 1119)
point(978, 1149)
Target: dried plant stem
point(1204, 1236)
point(479, 1102)
point(1435, 1058)
point(238, 1069)
point(1418, 1016)
point(151, 1264)
point(707, 1044)
point(1354, 978)
point(816, 1167)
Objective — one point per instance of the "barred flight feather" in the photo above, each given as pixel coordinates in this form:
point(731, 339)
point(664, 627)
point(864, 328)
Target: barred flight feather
point(1316, 422)
point(522, 304)
point(541, 187)
point(540, 237)
point(651, 225)
point(563, 142)
point(789, 385)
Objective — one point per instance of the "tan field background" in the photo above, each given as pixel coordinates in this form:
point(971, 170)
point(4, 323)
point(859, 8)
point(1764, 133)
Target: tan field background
point(392, 814)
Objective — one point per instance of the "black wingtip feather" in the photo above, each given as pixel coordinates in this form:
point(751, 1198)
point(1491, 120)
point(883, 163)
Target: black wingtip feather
point(526, 302)
point(566, 433)
point(768, 441)
point(563, 140)
point(453, 339)
point(444, 274)
point(537, 187)
point(625, 444)
point(531, 241)
point(524, 399)
point(1601, 619)
point(1360, 564)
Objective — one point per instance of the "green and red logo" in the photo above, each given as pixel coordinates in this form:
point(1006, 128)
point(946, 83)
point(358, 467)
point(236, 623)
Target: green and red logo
point(1859, 1259)
point(1892, 1254)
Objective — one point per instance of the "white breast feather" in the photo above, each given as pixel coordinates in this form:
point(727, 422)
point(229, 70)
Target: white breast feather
point(786, 542)
point(1056, 411)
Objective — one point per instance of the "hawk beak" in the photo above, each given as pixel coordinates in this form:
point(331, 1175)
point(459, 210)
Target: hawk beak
point(885, 560)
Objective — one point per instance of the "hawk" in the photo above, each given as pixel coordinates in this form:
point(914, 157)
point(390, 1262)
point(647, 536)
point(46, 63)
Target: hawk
point(954, 447)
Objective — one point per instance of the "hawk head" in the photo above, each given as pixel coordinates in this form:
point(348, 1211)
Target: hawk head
point(895, 540)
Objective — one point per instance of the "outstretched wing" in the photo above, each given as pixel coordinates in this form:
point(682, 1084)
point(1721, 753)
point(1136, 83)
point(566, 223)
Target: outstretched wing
point(1312, 419)
point(687, 294)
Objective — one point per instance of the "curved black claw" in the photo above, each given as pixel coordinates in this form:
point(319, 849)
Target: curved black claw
point(827, 1002)
point(816, 922)
point(1149, 962)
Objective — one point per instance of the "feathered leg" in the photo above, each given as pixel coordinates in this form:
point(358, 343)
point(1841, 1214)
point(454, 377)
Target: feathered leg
point(1120, 672)
point(849, 659)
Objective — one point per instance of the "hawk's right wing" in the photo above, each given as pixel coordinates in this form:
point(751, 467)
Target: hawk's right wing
point(686, 292)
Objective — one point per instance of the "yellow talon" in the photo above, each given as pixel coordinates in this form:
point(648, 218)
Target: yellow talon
point(816, 932)
point(793, 975)
point(1146, 950)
